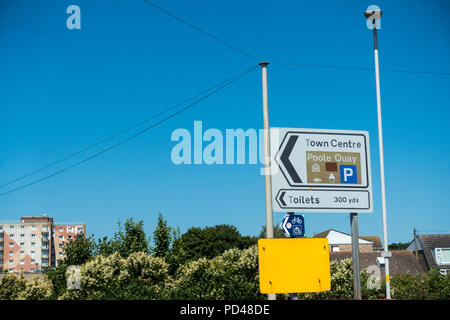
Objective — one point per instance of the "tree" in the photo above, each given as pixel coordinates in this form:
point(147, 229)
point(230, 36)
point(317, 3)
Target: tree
point(11, 285)
point(277, 232)
point(399, 246)
point(129, 238)
point(79, 250)
point(213, 241)
point(161, 238)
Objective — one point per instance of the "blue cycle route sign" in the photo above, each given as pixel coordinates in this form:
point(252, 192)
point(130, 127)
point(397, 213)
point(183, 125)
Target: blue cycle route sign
point(293, 225)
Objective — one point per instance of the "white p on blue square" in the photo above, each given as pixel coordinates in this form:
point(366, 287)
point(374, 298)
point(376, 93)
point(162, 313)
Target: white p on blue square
point(348, 174)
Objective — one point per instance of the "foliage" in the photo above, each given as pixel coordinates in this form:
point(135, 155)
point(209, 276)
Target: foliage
point(431, 286)
point(398, 246)
point(341, 273)
point(161, 238)
point(79, 250)
point(36, 289)
point(11, 286)
point(131, 238)
point(277, 232)
point(139, 276)
point(232, 275)
point(213, 241)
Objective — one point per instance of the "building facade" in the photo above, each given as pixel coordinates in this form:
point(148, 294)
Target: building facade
point(341, 242)
point(34, 243)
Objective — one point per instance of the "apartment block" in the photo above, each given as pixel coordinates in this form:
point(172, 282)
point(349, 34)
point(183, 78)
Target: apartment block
point(34, 243)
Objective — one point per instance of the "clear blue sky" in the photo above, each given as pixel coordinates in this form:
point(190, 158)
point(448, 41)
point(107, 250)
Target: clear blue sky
point(61, 90)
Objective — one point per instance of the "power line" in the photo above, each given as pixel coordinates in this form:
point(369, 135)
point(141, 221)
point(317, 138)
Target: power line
point(114, 135)
point(191, 25)
point(323, 66)
point(217, 89)
point(202, 31)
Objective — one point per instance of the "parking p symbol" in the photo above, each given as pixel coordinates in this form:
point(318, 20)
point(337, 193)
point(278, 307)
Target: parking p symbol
point(348, 174)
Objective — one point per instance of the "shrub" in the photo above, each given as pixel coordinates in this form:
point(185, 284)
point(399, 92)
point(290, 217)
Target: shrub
point(232, 275)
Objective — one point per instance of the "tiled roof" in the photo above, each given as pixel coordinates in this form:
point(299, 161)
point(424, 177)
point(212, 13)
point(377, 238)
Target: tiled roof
point(430, 241)
point(402, 261)
point(376, 242)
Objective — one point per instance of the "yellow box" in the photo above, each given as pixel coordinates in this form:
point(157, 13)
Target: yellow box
point(294, 265)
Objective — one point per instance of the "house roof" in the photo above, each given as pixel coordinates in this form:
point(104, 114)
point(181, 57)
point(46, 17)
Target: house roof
point(428, 242)
point(402, 261)
point(376, 242)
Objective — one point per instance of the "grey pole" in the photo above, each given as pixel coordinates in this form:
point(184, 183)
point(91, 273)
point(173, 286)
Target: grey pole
point(385, 254)
point(355, 256)
point(267, 172)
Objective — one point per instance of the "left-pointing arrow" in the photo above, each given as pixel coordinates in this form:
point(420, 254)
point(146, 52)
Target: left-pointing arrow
point(281, 198)
point(287, 163)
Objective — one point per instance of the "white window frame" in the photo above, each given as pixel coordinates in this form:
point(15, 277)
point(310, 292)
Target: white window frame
point(438, 256)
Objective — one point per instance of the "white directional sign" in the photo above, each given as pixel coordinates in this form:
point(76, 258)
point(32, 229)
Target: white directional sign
point(320, 170)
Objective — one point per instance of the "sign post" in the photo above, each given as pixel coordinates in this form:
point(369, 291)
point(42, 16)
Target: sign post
point(323, 171)
point(355, 256)
point(267, 172)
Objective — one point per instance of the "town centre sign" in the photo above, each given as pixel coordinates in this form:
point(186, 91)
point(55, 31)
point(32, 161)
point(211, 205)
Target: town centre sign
point(321, 171)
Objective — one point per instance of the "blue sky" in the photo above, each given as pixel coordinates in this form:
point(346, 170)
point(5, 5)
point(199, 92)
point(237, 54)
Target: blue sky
point(61, 90)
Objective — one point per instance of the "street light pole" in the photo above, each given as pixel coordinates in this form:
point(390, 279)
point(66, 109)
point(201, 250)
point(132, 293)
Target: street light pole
point(374, 15)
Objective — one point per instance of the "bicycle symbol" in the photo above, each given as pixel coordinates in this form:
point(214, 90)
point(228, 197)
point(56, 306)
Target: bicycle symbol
point(296, 220)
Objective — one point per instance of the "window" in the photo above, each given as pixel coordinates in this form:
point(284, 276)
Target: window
point(45, 228)
point(33, 244)
point(22, 228)
point(61, 229)
point(60, 254)
point(1, 228)
point(33, 227)
point(11, 253)
point(22, 244)
point(33, 261)
point(22, 261)
point(334, 248)
point(11, 244)
point(70, 237)
point(11, 261)
point(22, 235)
point(442, 255)
point(11, 227)
point(11, 235)
point(69, 229)
point(32, 270)
point(61, 238)
point(61, 246)
point(33, 236)
point(22, 253)
point(33, 252)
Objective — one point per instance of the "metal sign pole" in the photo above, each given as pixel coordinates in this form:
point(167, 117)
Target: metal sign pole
point(267, 172)
point(375, 14)
point(355, 256)
point(386, 253)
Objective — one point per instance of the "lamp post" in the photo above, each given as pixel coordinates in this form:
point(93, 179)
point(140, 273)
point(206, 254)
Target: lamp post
point(373, 15)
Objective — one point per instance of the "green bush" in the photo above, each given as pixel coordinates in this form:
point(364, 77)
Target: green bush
point(232, 275)
point(431, 286)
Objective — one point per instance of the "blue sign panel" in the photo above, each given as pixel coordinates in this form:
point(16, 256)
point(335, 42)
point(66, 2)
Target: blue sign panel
point(293, 225)
point(348, 174)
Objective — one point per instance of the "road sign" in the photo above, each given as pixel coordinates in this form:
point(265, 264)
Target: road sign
point(294, 265)
point(321, 170)
point(293, 226)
